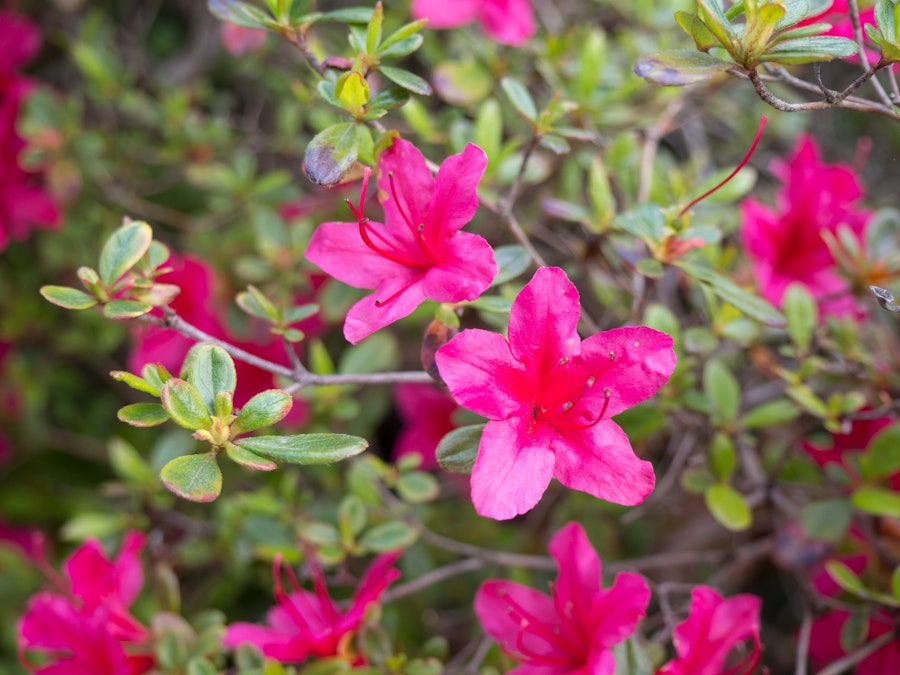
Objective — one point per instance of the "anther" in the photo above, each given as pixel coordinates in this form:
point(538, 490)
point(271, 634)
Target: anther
point(612, 356)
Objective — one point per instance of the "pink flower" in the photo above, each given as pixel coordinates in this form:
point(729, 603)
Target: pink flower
point(509, 22)
point(197, 304)
point(419, 252)
point(713, 628)
point(550, 398)
point(786, 244)
point(311, 624)
point(426, 413)
point(24, 204)
point(856, 440)
point(84, 629)
point(571, 631)
point(239, 40)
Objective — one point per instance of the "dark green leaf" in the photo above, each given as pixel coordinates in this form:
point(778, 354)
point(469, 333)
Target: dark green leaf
point(722, 389)
point(402, 48)
point(807, 50)
point(348, 15)
point(677, 68)
point(418, 487)
point(512, 260)
point(124, 248)
point(646, 222)
point(239, 455)
point(143, 414)
point(406, 79)
point(826, 520)
point(385, 100)
point(405, 32)
point(770, 413)
point(68, 298)
point(263, 410)
point(728, 506)
point(305, 448)
point(457, 450)
point(210, 370)
point(727, 290)
point(125, 309)
point(802, 315)
point(255, 303)
point(184, 405)
point(193, 477)
point(331, 154)
point(390, 536)
point(238, 13)
point(882, 456)
point(520, 98)
point(723, 456)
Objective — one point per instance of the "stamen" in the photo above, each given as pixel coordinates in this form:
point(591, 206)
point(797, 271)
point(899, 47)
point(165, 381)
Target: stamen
point(539, 629)
point(403, 214)
point(612, 356)
point(748, 664)
point(318, 577)
point(762, 125)
point(366, 230)
point(381, 303)
point(282, 598)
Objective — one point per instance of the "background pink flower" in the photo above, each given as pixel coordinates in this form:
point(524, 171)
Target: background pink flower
point(786, 244)
point(856, 440)
point(239, 40)
point(572, 630)
point(426, 414)
point(509, 22)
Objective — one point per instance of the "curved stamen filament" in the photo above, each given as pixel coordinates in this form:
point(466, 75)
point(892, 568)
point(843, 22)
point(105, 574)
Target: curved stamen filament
point(413, 228)
point(567, 425)
point(366, 231)
point(748, 663)
point(531, 624)
point(381, 303)
point(281, 596)
point(318, 576)
point(542, 659)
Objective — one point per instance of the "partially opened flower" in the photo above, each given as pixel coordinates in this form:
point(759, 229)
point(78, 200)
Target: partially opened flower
point(713, 628)
point(786, 244)
point(571, 631)
point(305, 623)
point(419, 252)
point(509, 22)
point(85, 628)
point(549, 397)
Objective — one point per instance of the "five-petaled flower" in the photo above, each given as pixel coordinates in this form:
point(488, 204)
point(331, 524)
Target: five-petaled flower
point(786, 244)
point(549, 397)
point(311, 624)
point(571, 631)
point(509, 22)
point(86, 628)
point(419, 251)
point(713, 628)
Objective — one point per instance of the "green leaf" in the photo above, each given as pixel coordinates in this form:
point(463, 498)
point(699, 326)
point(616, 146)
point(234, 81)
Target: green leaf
point(845, 578)
point(263, 410)
point(385, 100)
point(122, 251)
point(348, 15)
point(68, 298)
point(492, 304)
point(352, 90)
point(722, 389)
point(135, 382)
point(125, 309)
point(193, 477)
point(457, 450)
point(405, 35)
point(143, 414)
point(895, 582)
point(677, 68)
point(376, 353)
point(239, 455)
point(646, 222)
point(390, 536)
point(520, 98)
point(406, 79)
point(882, 456)
point(352, 514)
point(300, 313)
point(770, 413)
point(418, 487)
point(749, 304)
point(877, 501)
point(885, 12)
point(512, 260)
point(128, 463)
point(210, 369)
point(728, 506)
point(722, 456)
point(650, 268)
point(373, 30)
point(254, 302)
point(155, 375)
point(808, 50)
point(802, 315)
point(693, 26)
point(184, 405)
point(331, 154)
point(306, 448)
point(238, 13)
point(826, 520)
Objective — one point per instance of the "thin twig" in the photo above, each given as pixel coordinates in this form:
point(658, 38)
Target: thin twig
point(858, 37)
point(536, 562)
point(431, 578)
point(803, 643)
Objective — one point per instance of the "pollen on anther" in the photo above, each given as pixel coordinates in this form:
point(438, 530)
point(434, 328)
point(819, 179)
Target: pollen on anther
point(612, 356)
point(637, 344)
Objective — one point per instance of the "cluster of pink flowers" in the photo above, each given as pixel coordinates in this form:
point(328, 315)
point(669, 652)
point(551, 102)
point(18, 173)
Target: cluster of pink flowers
point(84, 627)
point(786, 244)
point(574, 629)
point(24, 204)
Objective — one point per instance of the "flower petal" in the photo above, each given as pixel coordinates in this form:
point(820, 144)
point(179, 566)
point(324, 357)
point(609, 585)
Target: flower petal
point(400, 296)
point(338, 250)
point(455, 199)
point(511, 472)
point(619, 609)
point(481, 374)
point(599, 460)
point(509, 22)
point(579, 571)
point(405, 186)
point(466, 272)
point(544, 320)
point(443, 14)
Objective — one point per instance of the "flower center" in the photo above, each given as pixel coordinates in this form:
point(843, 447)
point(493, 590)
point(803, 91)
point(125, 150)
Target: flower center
point(569, 653)
point(558, 406)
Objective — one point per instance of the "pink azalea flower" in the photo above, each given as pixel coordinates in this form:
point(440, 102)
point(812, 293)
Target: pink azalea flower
point(856, 440)
point(197, 304)
point(426, 413)
point(549, 398)
point(85, 627)
point(419, 251)
point(786, 244)
point(509, 22)
point(239, 40)
point(713, 628)
point(24, 204)
point(572, 631)
point(311, 624)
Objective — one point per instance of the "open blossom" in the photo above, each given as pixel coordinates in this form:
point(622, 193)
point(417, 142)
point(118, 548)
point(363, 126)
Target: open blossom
point(713, 628)
point(419, 252)
point(24, 204)
point(85, 628)
point(509, 22)
point(549, 397)
point(571, 631)
point(311, 624)
point(786, 243)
